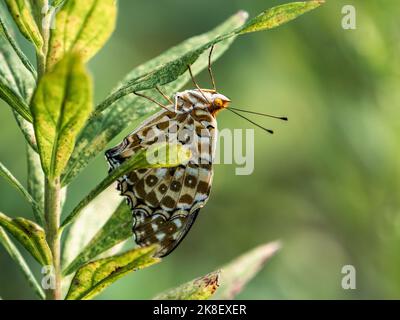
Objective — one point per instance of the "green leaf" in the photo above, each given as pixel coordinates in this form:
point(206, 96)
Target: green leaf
point(60, 106)
point(8, 176)
point(36, 183)
point(170, 66)
point(102, 129)
point(279, 15)
point(21, 12)
point(162, 75)
point(235, 275)
point(18, 258)
point(199, 289)
point(117, 229)
point(15, 101)
point(171, 70)
point(95, 276)
point(30, 235)
point(83, 27)
point(159, 155)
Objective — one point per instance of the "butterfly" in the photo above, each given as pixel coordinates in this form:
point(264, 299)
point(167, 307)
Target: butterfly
point(165, 202)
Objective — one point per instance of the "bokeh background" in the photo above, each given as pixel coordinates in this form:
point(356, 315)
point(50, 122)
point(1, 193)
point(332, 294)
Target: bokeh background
point(326, 184)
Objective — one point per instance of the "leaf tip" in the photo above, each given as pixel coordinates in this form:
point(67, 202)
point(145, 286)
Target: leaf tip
point(271, 248)
point(243, 15)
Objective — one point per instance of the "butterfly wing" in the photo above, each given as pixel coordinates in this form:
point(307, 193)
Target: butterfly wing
point(166, 201)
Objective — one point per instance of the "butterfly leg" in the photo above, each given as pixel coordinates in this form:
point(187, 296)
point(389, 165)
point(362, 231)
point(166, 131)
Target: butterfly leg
point(164, 95)
point(152, 100)
point(167, 98)
point(210, 68)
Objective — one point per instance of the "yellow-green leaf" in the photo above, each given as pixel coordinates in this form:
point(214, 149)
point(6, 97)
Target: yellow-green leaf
point(94, 277)
point(21, 12)
point(83, 27)
point(30, 235)
point(199, 289)
point(279, 15)
point(60, 107)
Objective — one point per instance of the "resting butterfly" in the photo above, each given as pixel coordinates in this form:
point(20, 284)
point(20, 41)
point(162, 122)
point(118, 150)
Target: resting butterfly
point(166, 201)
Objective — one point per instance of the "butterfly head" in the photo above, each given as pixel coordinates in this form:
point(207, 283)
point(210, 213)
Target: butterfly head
point(215, 101)
point(202, 99)
point(219, 102)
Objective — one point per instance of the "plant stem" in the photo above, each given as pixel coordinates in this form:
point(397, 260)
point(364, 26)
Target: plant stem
point(52, 188)
point(52, 217)
point(45, 31)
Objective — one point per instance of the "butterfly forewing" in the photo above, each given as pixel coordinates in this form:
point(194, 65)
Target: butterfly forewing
point(165, 201)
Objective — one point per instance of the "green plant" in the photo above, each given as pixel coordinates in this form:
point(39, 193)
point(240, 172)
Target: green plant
point(53, 107)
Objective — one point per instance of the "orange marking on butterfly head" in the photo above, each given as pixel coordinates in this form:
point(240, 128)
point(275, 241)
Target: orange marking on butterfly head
point(219, 102)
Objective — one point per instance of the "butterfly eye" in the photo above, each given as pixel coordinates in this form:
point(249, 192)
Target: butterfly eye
point(218, 102)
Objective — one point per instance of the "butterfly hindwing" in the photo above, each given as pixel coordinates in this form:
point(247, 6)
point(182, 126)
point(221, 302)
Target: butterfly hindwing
point(165, 201)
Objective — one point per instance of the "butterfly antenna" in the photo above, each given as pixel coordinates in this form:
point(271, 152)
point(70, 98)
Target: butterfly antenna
point(195, 83)
point(210, 69)
point(252, 122)
point(260, 114)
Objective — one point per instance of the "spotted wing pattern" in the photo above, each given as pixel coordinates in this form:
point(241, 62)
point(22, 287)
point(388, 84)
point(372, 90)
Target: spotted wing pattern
point(165, 201)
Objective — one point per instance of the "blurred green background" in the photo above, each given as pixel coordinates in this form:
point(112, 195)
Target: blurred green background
point(327, 184)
